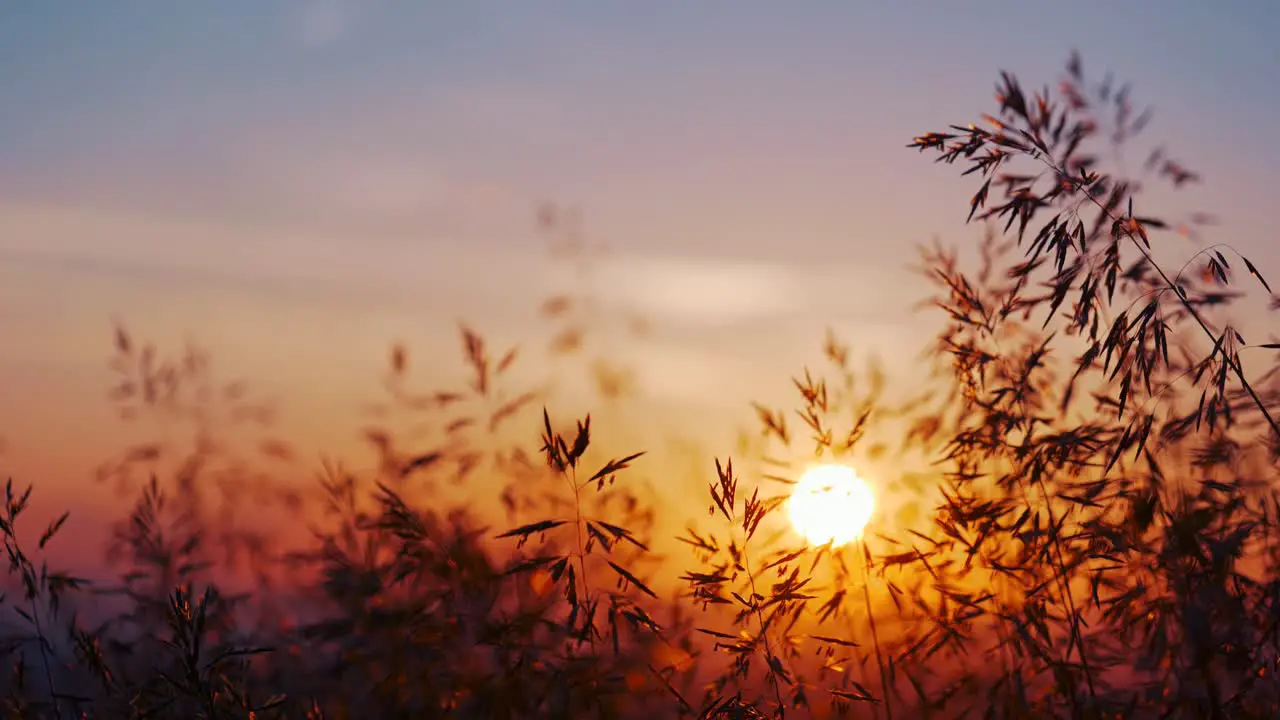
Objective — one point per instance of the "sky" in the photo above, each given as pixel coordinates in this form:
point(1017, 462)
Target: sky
point(297, 184)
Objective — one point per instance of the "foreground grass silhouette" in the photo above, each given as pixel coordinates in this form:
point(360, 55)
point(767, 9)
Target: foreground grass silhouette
point(1099, 541)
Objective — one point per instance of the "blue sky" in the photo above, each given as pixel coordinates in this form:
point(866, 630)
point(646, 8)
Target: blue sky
point(372, 167)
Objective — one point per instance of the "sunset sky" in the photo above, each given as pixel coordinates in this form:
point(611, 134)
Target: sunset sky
point(297, 184)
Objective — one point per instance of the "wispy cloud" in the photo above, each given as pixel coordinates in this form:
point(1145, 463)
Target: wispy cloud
point(263, 263)
point(719, 291)
point(702, 290)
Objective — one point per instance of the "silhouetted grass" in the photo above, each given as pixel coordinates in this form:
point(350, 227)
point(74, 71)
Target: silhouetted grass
point(1097, 536)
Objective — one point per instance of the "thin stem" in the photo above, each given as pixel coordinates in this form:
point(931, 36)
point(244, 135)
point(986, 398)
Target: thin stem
point(875, 635)
point(1008, 659)
point(44, 655)
point(589, 624)
point(764, 632)
point(1064, 587)
point(1229, 358)
point(572, 478)
point(844, 578)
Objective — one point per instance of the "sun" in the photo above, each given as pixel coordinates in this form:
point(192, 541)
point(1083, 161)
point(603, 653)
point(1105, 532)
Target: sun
point(830, 504)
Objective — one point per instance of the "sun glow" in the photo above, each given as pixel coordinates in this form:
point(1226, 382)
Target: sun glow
point(830, 504)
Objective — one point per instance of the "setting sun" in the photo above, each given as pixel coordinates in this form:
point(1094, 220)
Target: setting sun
point(830, 504)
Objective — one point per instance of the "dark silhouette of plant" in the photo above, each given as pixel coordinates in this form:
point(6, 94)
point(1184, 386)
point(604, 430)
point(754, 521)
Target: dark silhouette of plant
point(42, 593)
point(1112, 545)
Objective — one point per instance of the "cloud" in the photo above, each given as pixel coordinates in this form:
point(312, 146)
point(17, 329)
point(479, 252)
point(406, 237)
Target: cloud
point(722, 292)
point(701, 290)
point(305, 180)
point(142, 249)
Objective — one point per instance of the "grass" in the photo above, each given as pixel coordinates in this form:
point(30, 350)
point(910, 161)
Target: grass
point(1097, 537)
